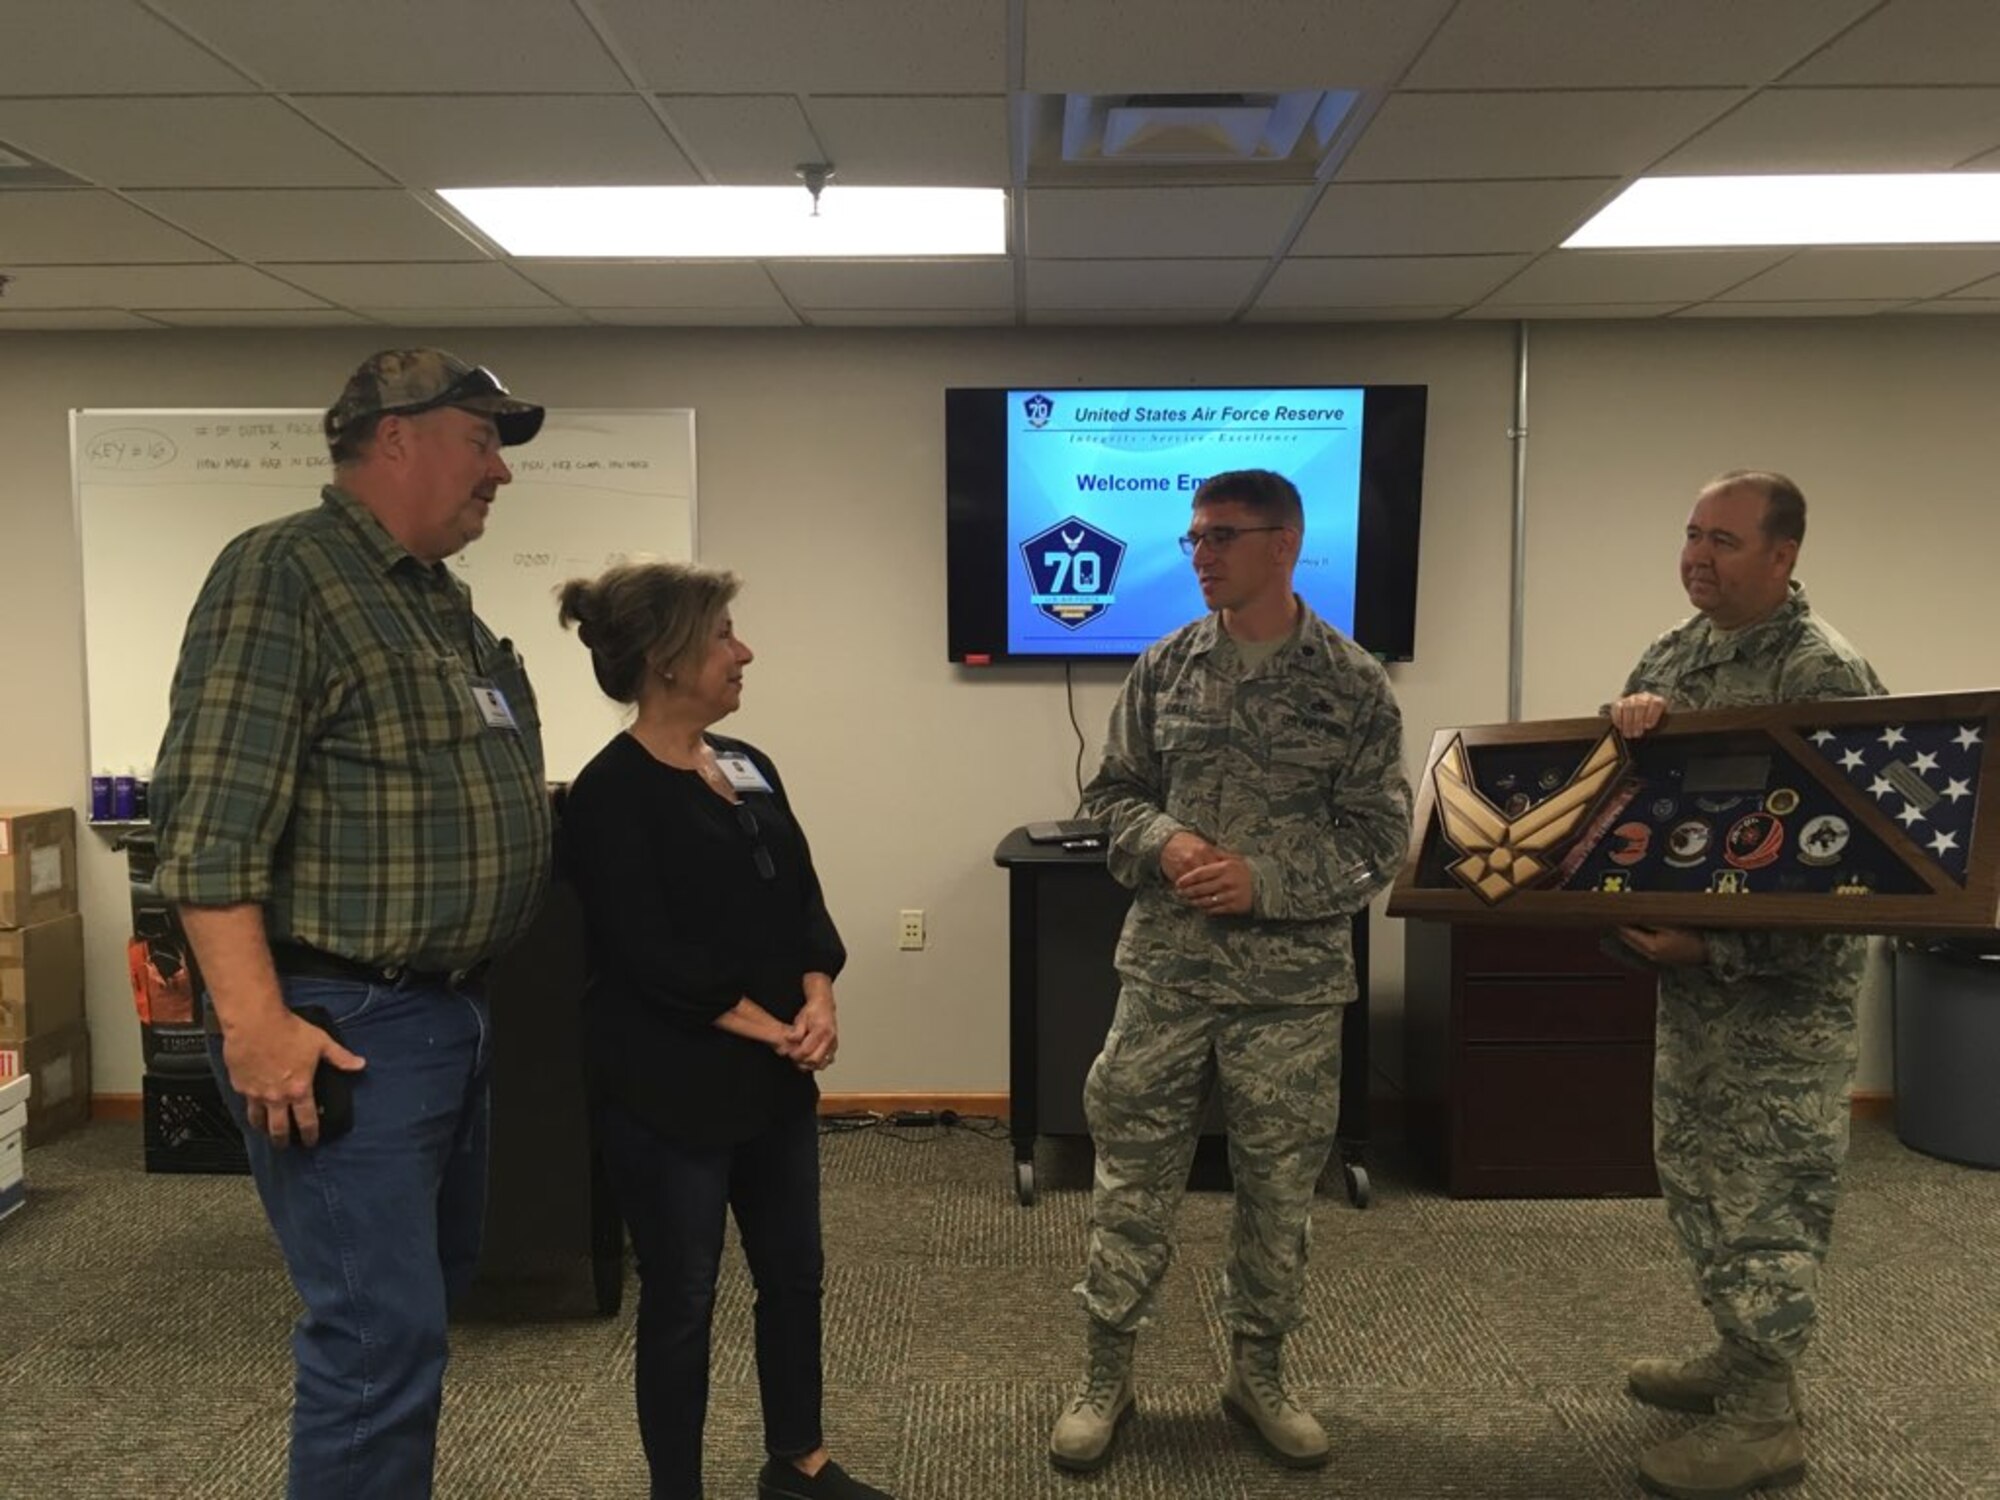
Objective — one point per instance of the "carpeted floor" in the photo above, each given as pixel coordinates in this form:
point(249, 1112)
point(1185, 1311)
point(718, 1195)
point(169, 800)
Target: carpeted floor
point(1456, 1348)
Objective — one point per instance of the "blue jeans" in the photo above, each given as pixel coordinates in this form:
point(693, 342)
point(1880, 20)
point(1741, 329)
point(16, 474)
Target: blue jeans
point(674, 1197)
point(380, 1231)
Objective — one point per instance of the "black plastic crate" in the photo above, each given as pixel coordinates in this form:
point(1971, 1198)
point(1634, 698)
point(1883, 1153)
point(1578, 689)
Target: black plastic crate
point(189, 1128)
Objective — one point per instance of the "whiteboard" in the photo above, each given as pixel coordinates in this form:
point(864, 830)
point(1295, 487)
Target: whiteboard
point(159, 494)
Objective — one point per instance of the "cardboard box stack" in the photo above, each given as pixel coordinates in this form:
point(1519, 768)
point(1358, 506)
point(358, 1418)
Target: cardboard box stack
point(13, 1133)
point(42, 1031)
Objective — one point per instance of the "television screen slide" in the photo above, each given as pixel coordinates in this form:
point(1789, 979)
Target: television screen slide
point(1099, 486)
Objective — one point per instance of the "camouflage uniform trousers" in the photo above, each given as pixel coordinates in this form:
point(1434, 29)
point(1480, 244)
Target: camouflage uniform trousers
point(1750, 1127)
point(1278, 1071)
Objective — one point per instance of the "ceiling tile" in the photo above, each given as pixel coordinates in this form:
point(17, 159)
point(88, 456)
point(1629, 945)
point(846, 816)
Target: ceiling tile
point(1576, 133)
point(1215, 284)
point(152, 286)
point(1636, 275)
point(1443, 218)
point(1902, 272)
point(661, 284)
point(745, 140)
point(1914, 41)
point(1420, 312)
point(936, 317)
point(1173, 223)
point(426, 284)
point(181, 143)
point(1986, 305)
point(74, 319)
point(476, 317)
point(1531, 312)
point(1057, 316)
point(1825, 308)
point(1488, 44)
point(251, 317)
point(315, 224)
point(827, 285)
point(1107, 46)
point(104, 47)
point(1987, 288)
point(77, 228)
point(694, 317)
point(784, 47)
point(507, 140)
point(1404, 280)
point(403, 47)
point(915, 142)
point(1850, 130)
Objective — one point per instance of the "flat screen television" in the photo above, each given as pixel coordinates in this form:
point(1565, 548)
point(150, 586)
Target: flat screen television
point(1065, 509)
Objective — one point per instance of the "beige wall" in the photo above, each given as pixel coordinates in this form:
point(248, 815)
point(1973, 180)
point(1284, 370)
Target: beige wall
point(821, 468)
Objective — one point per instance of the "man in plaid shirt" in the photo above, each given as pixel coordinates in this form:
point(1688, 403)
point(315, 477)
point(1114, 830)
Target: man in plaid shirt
point(352, 821)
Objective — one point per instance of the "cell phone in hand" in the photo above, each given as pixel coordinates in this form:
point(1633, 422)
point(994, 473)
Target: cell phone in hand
point(333, 1088)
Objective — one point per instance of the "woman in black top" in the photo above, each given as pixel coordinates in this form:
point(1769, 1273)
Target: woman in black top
point(710, 1008)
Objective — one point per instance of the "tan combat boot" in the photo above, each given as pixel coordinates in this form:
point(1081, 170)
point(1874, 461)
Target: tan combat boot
point(1082, 1438)
point(1255, 1395)
point(1689, 1384)
point(1752, 1443)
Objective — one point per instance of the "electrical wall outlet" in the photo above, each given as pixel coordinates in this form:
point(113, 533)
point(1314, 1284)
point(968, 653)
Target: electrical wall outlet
point(910, 928)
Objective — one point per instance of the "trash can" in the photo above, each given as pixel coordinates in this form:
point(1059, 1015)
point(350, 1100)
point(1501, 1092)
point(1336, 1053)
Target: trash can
point(1947, 1004)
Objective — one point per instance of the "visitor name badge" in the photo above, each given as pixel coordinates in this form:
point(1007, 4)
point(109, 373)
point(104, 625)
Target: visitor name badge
point(493, 706)
point(742, 774)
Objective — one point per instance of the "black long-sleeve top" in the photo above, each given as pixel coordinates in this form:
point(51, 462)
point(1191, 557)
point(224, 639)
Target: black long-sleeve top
point(683, 922)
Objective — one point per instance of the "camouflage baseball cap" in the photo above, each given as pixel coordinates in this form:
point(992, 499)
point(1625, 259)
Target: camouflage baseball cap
point(407, 381)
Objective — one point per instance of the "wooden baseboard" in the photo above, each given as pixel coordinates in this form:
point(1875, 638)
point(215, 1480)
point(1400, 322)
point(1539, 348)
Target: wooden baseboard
point(990, 1105)
point(130, 1106)
point(1386, 1114)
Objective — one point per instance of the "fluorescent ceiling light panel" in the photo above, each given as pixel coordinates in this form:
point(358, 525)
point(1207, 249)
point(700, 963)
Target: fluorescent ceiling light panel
point(1916, 208)
point(737, 223)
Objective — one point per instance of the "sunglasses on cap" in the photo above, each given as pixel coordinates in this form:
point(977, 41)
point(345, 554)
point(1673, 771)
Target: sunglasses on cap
point(474, 383)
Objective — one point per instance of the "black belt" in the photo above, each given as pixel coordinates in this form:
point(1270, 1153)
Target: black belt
point(299, 961)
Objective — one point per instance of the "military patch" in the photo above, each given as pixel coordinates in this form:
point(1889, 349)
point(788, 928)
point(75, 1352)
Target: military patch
point(1717, 804)
point(1635, 841)
point(1518, 803)
point(1688, 841)
point(1822, 839)
point(1550, 779)
point(1754, 841)
point(1855, 883)
point(1782, 802)
point(1729, 882)
point(1614, 881)
point(1664, 808)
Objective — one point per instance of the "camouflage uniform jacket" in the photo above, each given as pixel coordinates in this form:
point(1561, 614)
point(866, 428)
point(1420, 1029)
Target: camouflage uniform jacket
point(1790, 656)
point(1297, 765)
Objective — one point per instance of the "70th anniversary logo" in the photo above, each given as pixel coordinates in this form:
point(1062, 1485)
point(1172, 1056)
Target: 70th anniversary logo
point(1073, 571)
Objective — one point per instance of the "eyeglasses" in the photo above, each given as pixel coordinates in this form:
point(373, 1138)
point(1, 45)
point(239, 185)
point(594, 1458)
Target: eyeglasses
point(478, 381)
point(759, 855)
point(1221, 538)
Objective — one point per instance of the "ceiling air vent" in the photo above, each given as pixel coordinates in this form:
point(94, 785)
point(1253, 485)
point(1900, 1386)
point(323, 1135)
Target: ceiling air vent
point(1136, 129)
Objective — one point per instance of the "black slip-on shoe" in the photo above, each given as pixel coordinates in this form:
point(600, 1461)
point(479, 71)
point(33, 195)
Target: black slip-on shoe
point(780, 1481)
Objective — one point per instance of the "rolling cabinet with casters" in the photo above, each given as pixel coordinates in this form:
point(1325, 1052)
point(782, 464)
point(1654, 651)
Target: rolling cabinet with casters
point(1064, 915)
